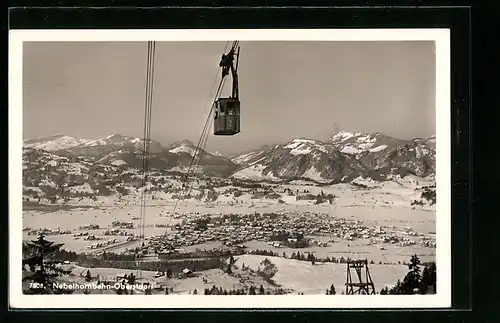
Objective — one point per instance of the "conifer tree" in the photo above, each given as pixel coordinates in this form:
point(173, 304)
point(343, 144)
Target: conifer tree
point(332, 290)
point(88, 276)
point(429, 278)
point(44, 268)
point(413, 279)
point(396, 290)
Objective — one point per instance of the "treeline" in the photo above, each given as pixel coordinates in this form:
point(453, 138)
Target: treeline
point(310, 257)
point(163, 266)
point(430, 195)
point(241, 291)
point(298, 239)
point(360, 185)
point(318, 198)
point(214, 253)
point(263, 252)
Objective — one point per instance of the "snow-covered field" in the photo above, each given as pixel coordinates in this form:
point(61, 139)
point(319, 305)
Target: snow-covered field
point(214, 277)
point(386, 204)
point(302, 276)
point(299, 276)
point(382, 204)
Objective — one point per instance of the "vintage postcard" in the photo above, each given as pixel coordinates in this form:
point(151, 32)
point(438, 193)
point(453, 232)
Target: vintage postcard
point(229, 168)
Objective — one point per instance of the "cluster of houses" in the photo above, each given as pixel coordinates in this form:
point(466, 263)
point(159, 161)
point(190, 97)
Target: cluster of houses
point(117, 232)
point(122, 225)
point(233, 230)
point(89, 227)
point(80, 234)
point(319, 243)
point(404, 241)
point(101, 244)
point(427, 242)
point(46, 232)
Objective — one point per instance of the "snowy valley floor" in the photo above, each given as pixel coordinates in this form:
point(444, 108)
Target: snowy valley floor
point(388, 204)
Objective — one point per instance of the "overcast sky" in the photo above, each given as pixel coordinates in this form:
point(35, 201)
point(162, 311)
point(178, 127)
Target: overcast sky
point(287, 90)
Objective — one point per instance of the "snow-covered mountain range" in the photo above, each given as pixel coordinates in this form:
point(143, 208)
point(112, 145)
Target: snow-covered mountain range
point(344, 157)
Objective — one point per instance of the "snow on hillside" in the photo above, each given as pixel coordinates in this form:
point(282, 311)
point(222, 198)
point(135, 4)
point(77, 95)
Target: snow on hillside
point(90, 147)
point(183, 149)
point(54, 143)
point(249, 157)
point(299, 158)
point(304, 277)
point(304, 146)
point(255, 172)
point(217, 153)
point(118, 162)
point(347, 156)
point(244, 158)
point(355, 143)
point(184, 146)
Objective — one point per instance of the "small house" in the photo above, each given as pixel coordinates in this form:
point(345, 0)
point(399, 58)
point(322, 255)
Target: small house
point(186, 273)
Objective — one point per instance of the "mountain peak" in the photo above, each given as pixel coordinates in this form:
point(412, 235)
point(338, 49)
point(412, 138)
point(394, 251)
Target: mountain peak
point(354, 143)
point(343, 136)
point(304, 146)
point(115, 135)
point(217, 153)
point(182, 146)
point(186, 142)
point(183, 142)
point(53, 143)
point(47, 138)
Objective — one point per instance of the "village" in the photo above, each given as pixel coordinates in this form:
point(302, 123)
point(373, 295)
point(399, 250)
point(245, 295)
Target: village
point(279, 230)
point(287, 230)
point(45, 231)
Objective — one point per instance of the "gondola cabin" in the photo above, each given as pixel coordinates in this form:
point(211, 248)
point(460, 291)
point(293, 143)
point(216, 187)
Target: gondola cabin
point(227, 117)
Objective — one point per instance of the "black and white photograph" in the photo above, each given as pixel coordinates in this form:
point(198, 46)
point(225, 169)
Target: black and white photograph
point(289, 168)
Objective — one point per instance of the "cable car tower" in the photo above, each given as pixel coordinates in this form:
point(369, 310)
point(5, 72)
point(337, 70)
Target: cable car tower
point(227, 110)
point(365, 287)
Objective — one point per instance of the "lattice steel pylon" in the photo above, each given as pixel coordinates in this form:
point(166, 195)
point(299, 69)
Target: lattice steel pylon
point(365, 285)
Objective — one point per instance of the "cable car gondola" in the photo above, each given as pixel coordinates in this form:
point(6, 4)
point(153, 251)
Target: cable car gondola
point(227, 110)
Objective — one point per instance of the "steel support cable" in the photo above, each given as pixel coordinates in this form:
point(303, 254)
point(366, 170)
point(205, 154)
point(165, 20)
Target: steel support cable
point(196, 153)
point(204, 136)
point(200, 141)
point(147, 111)
point(205, 126)
point(205, 139)
point(146, 142)
point(185, 178)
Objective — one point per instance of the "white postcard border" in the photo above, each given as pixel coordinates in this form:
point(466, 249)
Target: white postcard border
point(442, 299)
